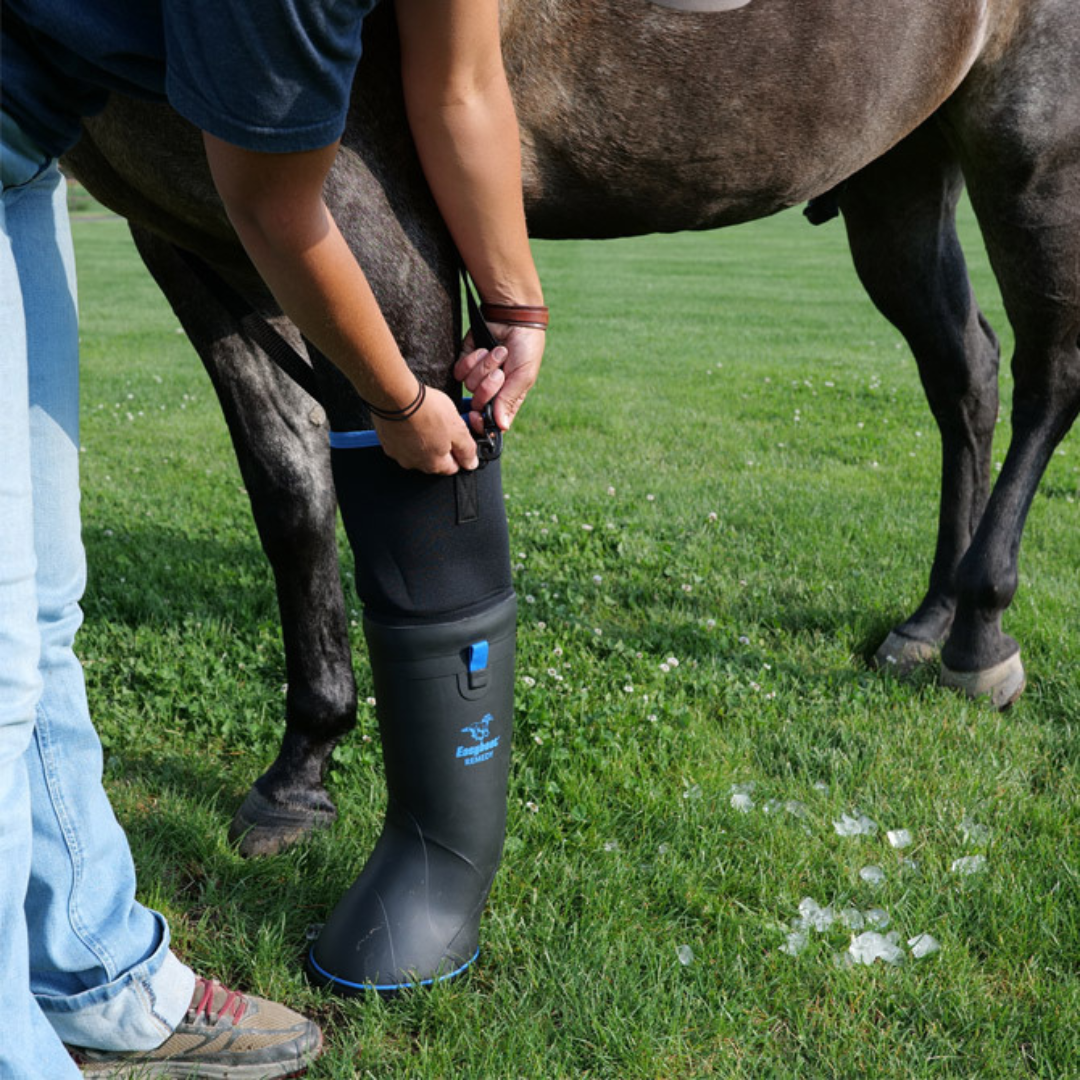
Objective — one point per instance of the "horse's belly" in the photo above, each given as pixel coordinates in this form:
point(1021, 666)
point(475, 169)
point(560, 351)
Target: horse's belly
point(642, 119)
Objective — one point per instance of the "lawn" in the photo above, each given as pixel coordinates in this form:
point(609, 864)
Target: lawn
point(721, 495)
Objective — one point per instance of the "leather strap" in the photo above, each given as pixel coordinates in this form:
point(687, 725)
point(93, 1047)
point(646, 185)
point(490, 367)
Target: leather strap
point(535, 316)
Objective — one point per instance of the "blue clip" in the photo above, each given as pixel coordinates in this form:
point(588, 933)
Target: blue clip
point(478, 662)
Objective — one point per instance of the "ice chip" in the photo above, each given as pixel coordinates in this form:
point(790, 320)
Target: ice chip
point(969, 864)
point(855, 826)
point(871, 946)
point(923, 945)
point(899, 838)
point(795, 943)
point(813, 914)
point(974, 833)
point(611, 845)
point(852, 918)
point(742, 802)
point(878, 918)
point(872, 875)
point(796, 808)
point(685, 955)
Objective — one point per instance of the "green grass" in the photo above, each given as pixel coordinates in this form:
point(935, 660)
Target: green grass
point(732, 441)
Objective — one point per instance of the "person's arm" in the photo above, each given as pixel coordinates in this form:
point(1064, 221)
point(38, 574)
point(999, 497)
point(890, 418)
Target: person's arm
point(276, 206)
point(463, 123)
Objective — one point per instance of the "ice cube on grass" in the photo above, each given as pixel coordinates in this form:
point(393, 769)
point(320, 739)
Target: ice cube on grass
point(855, 826)
point(974, 833)
point(852, 918)
point(685, 955)
point(923, 945)
point(796, 941)
point(878, 918)
point(872, 875)
point(899, 838)
point(742, 802)
point(969, 864)
point(871, 946)
point(813, 914)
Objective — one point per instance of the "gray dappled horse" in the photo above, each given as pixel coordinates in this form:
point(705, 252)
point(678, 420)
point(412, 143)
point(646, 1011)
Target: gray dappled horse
point(636, 119)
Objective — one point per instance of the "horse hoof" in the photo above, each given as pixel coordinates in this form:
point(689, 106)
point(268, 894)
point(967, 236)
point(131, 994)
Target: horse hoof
point(902, 655)
point(1003, 682)
point(262, 827)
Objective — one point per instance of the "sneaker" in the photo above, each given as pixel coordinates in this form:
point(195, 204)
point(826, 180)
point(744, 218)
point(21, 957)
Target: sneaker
point(224, 1036)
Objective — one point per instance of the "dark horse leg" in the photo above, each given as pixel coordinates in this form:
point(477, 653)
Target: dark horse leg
point(900, 217)
point(1021, 156)
point(279, 434)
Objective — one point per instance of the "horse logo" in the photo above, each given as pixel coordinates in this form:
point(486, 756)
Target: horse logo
point(484, 745)
point(479, 730)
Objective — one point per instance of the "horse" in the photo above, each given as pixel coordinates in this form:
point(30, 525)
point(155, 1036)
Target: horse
point(641, 117)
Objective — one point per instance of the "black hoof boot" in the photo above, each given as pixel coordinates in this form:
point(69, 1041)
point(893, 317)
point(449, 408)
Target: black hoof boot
point(445, 708)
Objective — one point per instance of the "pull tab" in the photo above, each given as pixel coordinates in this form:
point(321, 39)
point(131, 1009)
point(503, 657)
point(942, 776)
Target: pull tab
point(478, 665)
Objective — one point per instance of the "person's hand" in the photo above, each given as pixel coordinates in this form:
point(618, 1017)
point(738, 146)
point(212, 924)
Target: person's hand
point(505, 374)
point(434, 439)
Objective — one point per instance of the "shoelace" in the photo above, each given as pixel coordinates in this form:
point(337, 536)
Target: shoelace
point(235, 1003)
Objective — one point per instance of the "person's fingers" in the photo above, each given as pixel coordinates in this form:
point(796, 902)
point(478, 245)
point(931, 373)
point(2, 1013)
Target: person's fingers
point(464, 451)
point(468, 361)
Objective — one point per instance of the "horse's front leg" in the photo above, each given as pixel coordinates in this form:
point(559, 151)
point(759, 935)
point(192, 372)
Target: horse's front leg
point(280, 437)
point(900, 217)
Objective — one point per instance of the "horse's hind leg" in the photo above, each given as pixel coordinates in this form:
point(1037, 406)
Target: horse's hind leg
point(1020, 148)
point(280, 437)
point(900, 218)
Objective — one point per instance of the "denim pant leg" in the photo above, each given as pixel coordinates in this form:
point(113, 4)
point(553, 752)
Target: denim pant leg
point(100, 967)
point(29, 1048)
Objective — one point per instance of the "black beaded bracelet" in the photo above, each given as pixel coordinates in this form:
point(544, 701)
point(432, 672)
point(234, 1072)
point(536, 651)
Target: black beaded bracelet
point(403, 413)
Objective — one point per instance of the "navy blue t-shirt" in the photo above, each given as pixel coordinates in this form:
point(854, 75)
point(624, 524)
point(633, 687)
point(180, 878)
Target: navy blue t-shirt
point(269, 75)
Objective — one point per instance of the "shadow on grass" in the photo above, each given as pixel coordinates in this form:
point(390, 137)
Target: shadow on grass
point(176, 810)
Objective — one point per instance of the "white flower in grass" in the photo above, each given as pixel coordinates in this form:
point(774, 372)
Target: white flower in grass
point(530, 599)
point(687, 587)
point(665, 668)
point(528, 680)
point(610, 490)
point(710, 624)
point(587, 528)
point(743, 639)
point(652, 718)
point(370, 700)
point(628, 688)
point(712, 515)
point(597, 578)
point(532, 807)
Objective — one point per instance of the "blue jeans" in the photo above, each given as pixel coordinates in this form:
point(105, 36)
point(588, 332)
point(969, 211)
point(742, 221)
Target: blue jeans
point(80, 960)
